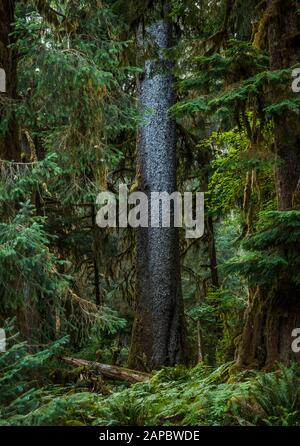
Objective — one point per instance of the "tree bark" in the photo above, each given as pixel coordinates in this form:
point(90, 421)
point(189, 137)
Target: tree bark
point(10, 141)
point(284, 49)
point(273, 312)
point(110, 371)
point(159, 328)
point(98, 297)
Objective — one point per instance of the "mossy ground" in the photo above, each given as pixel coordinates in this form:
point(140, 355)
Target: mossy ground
point(174, 396)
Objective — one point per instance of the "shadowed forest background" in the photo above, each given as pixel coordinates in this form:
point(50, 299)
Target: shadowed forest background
point(123, 326)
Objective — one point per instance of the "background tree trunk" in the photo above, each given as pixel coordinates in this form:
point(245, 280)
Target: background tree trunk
point(10, 141)
point(159, 328)
point(284, 49)
point(273, 313)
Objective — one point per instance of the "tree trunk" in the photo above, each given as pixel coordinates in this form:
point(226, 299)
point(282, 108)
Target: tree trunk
point(212, 253)
point(110, 371)
point(10, 141)
point(98, 297)
point(159, 328)
point(29, 316)
point(273, 313)
point(284, 49)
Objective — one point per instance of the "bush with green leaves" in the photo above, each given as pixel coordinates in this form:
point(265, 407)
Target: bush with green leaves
point(27, 267)
point(272, 252)
point(22, 374)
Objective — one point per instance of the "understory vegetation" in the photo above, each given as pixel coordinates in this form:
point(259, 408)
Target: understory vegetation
point(201, 395)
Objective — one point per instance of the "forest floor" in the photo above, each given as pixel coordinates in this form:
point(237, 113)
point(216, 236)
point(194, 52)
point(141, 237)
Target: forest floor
point(40, 389)
point(173, 396)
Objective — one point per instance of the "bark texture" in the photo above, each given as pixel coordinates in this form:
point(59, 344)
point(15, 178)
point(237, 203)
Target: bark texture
point(273, 313)
point(159, 328)
point(10, 141)
point(284, 49)
point(110, 371)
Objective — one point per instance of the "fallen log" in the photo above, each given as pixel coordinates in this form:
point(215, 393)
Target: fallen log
point(110, 371)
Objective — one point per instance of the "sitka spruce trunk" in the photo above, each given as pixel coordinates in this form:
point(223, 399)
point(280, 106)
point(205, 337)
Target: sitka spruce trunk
point(159, 330)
